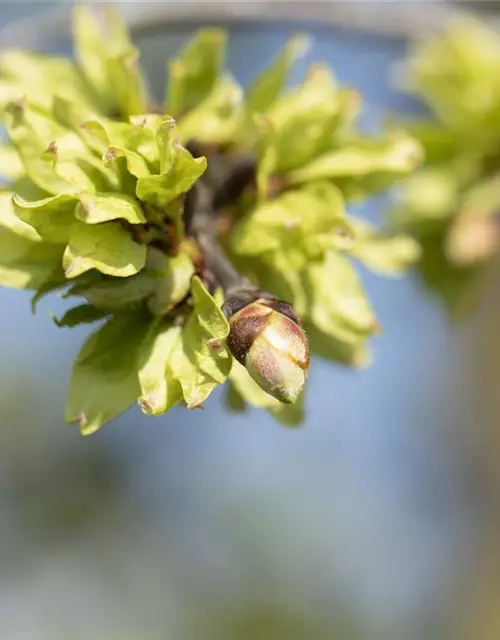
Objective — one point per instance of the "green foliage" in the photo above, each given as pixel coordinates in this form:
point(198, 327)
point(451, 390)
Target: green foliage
point(451, 206)
point(98, 208)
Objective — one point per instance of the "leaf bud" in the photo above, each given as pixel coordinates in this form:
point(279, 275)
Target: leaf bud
point(265, 336)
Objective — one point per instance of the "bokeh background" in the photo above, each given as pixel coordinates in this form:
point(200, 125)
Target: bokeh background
point(379, 518)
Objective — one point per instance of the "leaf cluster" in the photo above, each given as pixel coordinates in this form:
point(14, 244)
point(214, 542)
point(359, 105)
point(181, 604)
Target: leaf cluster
point(99, 203)
point(451, 204)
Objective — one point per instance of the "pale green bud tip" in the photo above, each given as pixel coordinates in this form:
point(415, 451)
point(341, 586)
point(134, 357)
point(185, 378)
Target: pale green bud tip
point(266, 338)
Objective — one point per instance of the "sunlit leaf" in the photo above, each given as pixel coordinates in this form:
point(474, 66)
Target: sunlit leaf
point(104, 381)
point(106, 247)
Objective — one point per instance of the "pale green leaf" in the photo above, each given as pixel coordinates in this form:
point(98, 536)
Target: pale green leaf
point(38, 77)
point(104, 381)
point(11, 165)
point(199, 359)
point(109, 60)
point(173, 279)
point(304, 120)
point(161, 190)
point(336, 303)
point(106, 247)
point(128, 82)
point(160, 391)
point(53, 217)
point(385, 253)
point(163, 283)
point(309, 221)
point(83, 314)
point(219, 118)
point(193, 73)
point(25, 260)
point(268, 85)
point(398, 156)
point(355, 353)
point(103, 207)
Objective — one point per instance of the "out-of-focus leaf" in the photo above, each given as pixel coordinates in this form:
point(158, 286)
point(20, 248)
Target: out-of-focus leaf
point(32, 134)
point(234, 400)
point(199, 359)
point(399, 156)
point(55, 283)
point(457, 73)
point(386, 253)
point(303, 120)
point(192, 75)
point(429, 195)
point(219, 118)
point(309, 221)
point(336, 303)
point(160, 391)
point(106, 247)
point(38, 77)
point(352, 354)
point(269, 84)
point(458, 286)
point(11, 165)
point(83, 314)
point(109, 60)
point(104, 381)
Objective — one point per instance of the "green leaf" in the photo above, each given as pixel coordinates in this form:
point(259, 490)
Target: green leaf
point(106, 247)
point(398, 156)
point(53, 217)
point(32, 134)
point(174, 273)
point(165, 141)
point(25, 261)
point(355, 354)
point(163, 283)
point(269, 84)
point(128, 83)
point(303, 121)
point(37, 78)
point(310, 222)
point(83, 314)
point(234, 400)
point(219, 118)
point(103, 207)
point(385, 253)
point(55, 283)
point(109, 60)
point(430, 195)
point(199, 360)
point(104, 381)
point(336, 303)
point(11, 222)
point(160, 391)
point(11, 165)
point(161, 190)
point(192, 75)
